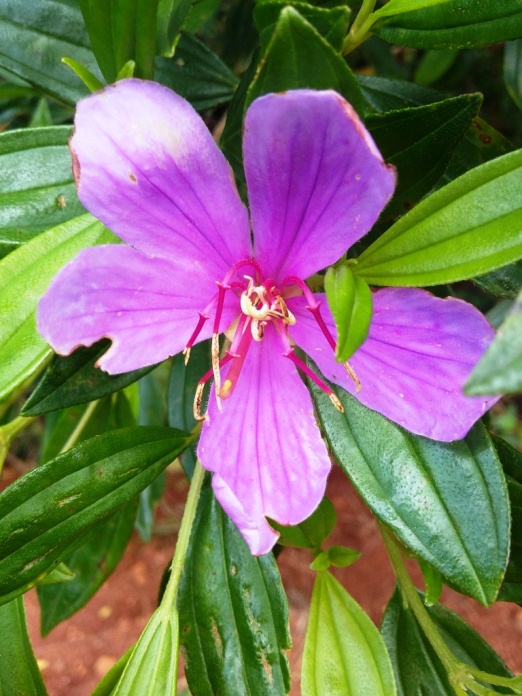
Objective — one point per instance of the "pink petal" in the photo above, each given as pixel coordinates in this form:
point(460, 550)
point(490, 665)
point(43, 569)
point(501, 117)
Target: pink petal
point(146, 306)
point(419, 353)
point(316, 181)
point(265, 447)
point(148, 168)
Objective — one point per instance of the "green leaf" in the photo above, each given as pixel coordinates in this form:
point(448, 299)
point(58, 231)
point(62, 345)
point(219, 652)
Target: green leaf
point(434, 65)
point(453, 24)
point(107, 685)
point(513, 70)
point(89, 80)
point(297, 56)
point(19, 674)
point(396, 7)
point(44, 513)
point(471, 226)
point(417, 668)
point(511, 589)
point(232, 611)
point(35, 38)
point(338, 556)
point(180, 396)
point(500, 368)
point(420, 142)
point(344, 654)
point(37, 189)
point(153, 665)
point(310, 533)
point(331, 23)
point(76, 380)
point(350, 301)
point(92, 563)
point(120, 31)
point(504, 282)
point(197, 74)
point(62, 573)
point(24, 277)
point(171, 18)
point(432, 581)
point(446, 501)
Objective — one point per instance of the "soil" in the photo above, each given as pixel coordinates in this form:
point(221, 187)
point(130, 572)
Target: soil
point(78, 652)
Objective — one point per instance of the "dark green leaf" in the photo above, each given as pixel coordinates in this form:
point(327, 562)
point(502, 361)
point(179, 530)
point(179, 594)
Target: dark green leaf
point(350, 301)
point(120, 31)
point(75, 380)
point(24, 276)
point(331, 23)
point(513, 70)
point(37, 189)
point(181, 392)
point(44, 512)
point(471, 226)
point(504, 282)
point(197, 74)
point(344, 652)
point(232, 612)
point(511, 589)
point(500, 368)
point(91, 563)
point(454, 24)
point(297, 56)
point(311, 533)
point(446, 501)
point(35, 38)
point(417, 668)
point(171, 18)
point(420, 142)
point(19, 675)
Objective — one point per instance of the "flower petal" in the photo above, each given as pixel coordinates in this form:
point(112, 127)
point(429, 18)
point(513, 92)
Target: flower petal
point(145, 306)
point(316, 181)
point(147, 167)
point(265, 447)
point(419, 353)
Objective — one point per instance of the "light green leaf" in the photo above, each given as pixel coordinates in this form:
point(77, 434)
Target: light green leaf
point(25, 275)
point(19, 674)
point(500, 369)
point(171, 17)
point(310, 533)
point(153, 665)
point(350, 301)
point(446, 501)
point(471, 226)
point(395, 7)
point(344, 654)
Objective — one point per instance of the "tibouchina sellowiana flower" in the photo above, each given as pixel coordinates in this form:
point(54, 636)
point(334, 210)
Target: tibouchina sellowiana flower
point(193, 266)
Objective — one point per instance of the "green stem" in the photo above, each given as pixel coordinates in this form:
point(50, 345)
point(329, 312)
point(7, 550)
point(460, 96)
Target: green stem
point(8, 432)
point(171, 591)
point(460, 674)
point(359, 31)
point(74, 436)
point(414, 602)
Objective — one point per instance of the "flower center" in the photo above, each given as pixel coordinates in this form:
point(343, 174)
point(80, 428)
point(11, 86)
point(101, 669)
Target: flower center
point(260, 303)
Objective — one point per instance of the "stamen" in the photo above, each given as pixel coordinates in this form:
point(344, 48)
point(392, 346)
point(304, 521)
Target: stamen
point(198, 397)
point(235, 369)
point(201, 322)
point(241, 264)
point(311, 375)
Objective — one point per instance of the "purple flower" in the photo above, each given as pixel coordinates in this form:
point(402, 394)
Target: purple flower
point(147, 167)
